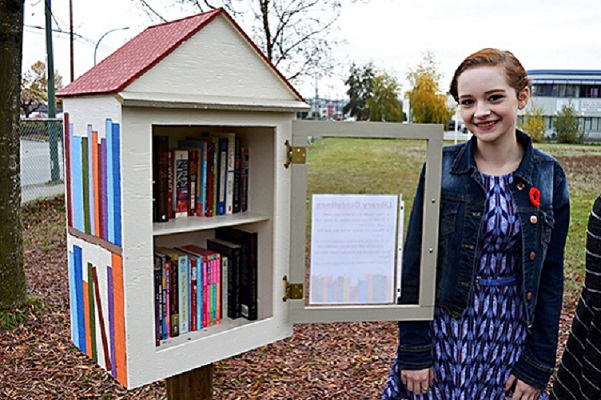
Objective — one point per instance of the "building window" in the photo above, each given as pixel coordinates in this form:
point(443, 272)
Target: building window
point(542, 90)
point(559, 90)
point(572, 91)
point(591, 91)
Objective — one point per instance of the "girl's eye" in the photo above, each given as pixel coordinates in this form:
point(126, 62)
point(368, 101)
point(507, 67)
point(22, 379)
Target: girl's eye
point(466, 102)
point(495, 97)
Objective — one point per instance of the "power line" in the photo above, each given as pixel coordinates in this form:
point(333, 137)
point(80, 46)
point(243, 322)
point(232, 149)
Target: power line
point(77, 35)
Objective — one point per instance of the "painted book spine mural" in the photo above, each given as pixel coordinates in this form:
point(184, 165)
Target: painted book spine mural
point(96, 286)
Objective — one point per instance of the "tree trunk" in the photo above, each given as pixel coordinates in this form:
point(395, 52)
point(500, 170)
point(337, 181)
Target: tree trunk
point(12, 273)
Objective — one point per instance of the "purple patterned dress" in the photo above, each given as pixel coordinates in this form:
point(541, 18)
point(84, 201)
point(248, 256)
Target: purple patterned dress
point(473, 355)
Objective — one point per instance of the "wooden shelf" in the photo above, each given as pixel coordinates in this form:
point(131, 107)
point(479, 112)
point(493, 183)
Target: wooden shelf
point(190, 224)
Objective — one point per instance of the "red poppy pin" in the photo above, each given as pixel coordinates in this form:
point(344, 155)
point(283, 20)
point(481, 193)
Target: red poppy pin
point(535, 197)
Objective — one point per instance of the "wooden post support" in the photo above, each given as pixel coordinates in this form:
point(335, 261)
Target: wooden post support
point(192, 385)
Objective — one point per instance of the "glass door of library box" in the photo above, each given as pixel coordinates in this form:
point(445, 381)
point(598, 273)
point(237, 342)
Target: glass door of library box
point(353, 185)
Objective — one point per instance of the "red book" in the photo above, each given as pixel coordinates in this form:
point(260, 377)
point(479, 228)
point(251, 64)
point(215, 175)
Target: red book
point(193, 176)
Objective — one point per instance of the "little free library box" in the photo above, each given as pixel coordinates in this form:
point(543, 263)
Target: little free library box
point(186, 194)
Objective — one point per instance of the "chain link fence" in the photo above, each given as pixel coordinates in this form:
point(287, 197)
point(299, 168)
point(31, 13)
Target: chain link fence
point(42, 155)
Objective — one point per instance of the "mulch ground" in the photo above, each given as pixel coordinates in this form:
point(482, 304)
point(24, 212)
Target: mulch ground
point(320, 361)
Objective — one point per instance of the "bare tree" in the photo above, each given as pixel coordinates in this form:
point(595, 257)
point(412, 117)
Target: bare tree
point(295, 35)
point(12, 273)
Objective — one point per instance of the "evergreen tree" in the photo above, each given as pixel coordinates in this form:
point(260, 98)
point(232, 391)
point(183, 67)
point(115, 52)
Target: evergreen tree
point(360, 89)
point(566, 125)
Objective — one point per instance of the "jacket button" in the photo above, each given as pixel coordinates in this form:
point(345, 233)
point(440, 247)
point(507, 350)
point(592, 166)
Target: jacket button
point(533, 219)
point(521, 186)
point(529, 296)
point(532, 255)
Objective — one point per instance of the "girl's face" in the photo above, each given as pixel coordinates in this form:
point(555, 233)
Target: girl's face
point(488, 105)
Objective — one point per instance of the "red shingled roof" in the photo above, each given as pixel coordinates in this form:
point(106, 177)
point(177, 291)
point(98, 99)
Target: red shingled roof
point(134, 58)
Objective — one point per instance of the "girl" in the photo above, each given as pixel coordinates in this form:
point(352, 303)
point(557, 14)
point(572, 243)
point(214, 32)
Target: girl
point(502, 231)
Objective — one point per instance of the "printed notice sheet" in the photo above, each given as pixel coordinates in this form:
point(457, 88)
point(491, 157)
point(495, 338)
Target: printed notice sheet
point(353, 247)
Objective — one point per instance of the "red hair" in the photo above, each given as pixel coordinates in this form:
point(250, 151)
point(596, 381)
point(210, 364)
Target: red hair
point(515, 74)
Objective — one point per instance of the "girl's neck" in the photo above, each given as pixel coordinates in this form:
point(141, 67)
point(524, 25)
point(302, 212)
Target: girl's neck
point(498, 159)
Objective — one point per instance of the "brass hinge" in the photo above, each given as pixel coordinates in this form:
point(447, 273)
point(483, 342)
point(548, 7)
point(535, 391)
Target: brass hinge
point(295, 154)
point(293, 291)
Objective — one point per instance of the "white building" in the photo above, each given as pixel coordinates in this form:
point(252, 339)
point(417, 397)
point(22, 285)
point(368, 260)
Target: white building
point(552, 89)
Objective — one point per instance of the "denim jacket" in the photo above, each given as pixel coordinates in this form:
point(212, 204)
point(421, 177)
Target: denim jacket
point(544, 230)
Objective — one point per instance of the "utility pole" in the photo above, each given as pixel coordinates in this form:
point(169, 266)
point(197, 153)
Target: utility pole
point(71, 41)
point(52, 128)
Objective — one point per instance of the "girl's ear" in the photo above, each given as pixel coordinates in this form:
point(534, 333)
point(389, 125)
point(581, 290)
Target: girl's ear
point(523, 98)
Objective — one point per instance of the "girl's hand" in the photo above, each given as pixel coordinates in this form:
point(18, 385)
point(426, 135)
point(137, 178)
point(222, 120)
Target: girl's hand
point(521, 391)
point(419, 381)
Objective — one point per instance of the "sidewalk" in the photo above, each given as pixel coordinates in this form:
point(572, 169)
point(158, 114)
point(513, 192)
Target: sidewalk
point(35, 192)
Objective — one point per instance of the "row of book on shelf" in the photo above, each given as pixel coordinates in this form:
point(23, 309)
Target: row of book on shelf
point(195, 286)
point(203, 176)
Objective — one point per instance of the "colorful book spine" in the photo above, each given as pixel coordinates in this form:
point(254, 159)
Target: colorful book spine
point(210, 283)
point(86, 184)
point(193, 176)
point(158, 294)
point(223, 282)
point(170, 204)
point(67, 135)
point(167, 294)
point(192, 295)
point(245, 160)
point(211, 178)
point(237, 175)
point(231, 252)
point(184, 290)
point(222, 175)
point(180, 181)
point(160, 147)
point(116, 151)
point(200, 146)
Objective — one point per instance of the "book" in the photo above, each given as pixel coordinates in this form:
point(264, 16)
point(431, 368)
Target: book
point(248, 267)
point(230, 168)
point(170, 207)
point(198, 273)
point(223, 285)
point(200, 146)
point(184, 292)
point(210, 190)
point(237, 175)
point(231, 253)
point(244, 177)
point(222, 163)
point(192, 294)
point(211, 290)
point(193, 176)
point(158, 294)
point(180, 183)
point(160, 145)
point(165, 312)
point(173, 287)
point(165, 315)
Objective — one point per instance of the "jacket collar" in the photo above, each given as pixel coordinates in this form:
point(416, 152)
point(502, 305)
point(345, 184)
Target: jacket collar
point(464, 162)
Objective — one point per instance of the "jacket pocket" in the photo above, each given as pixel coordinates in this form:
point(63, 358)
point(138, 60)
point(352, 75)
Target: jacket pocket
point(447, 249)
point(547, 228)
point(448, 217)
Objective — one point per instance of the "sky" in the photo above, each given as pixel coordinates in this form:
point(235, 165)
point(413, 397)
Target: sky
point(392, 34)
